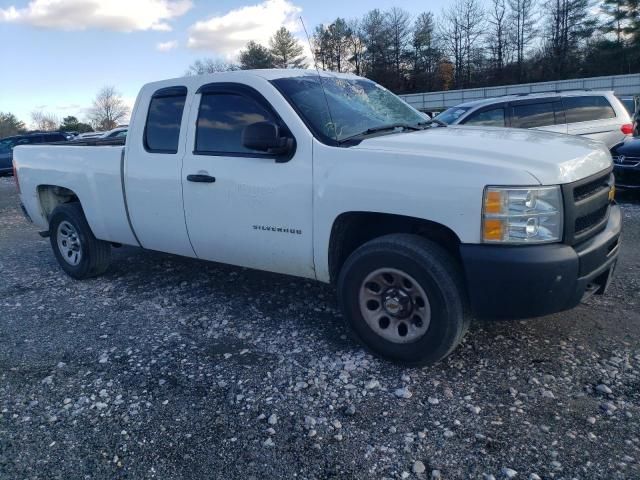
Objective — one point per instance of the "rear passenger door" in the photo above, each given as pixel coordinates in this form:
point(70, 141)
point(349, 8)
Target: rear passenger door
point(593, 116)
point(154, 151)
point(546, 114)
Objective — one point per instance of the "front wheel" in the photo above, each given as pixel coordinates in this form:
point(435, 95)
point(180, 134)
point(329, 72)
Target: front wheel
point(403, 297)
point(79, 253)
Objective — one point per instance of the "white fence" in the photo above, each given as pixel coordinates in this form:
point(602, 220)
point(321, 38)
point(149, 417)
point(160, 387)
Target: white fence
point(430, 101)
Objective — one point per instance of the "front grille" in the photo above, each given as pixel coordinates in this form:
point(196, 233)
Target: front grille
point(585, 223)
point(583, 191)
point(586, 207)
point(623, 161)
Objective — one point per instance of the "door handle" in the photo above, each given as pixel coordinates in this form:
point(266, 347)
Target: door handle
point(200, 178)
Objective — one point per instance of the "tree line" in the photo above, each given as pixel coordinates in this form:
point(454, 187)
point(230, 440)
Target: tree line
point(468, 44)
point(106, 112)
point(284, 51)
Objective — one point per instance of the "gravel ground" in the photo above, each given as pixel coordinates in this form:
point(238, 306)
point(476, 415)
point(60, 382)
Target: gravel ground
point(171, 368)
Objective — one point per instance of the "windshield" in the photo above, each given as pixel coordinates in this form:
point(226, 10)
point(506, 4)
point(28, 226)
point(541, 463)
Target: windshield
point(355, 105)
point(451, 115)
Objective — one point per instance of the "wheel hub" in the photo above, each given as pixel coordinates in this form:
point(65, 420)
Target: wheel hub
point(397, 303)
point(394, 305)
point(69, 243)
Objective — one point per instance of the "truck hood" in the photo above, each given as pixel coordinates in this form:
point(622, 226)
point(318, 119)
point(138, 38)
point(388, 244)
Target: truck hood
point(552, 158)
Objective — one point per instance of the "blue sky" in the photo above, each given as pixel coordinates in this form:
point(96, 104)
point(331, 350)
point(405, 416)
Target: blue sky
point(56, 54)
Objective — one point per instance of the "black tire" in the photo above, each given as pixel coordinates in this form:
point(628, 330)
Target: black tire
point(439, 275)
point(95, 254)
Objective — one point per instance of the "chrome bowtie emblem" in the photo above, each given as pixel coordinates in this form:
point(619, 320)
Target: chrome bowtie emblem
point(392, 306)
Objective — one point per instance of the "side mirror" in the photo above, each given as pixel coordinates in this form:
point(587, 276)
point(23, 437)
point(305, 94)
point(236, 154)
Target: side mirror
point(265, 137)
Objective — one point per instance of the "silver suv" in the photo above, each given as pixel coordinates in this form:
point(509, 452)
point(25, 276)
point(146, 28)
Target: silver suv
point(596, 115)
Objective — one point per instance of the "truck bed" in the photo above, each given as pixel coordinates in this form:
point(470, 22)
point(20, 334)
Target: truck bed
point(92, 169)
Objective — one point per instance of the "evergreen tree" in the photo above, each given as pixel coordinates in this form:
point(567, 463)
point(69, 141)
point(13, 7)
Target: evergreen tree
point(72, 124)
point(255, 56)
point(10, 125)
point(286, 50)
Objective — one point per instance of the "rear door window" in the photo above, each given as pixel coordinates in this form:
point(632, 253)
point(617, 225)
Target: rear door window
point(162, 131)
point(532, 115)
point(587, 108)
point(486, 118)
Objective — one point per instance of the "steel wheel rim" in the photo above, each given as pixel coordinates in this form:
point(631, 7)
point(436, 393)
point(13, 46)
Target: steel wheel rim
point(69, 243)
point(394, 305)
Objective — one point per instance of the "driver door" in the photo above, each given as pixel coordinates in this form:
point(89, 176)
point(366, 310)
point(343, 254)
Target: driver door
point(242, 206)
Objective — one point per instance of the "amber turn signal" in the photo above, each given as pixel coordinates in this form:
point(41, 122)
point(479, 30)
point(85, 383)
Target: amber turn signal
point(493, 229)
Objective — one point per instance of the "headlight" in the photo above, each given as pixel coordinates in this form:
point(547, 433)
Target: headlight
point(522, 215)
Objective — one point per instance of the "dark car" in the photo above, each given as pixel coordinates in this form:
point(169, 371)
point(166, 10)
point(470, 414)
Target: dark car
point(626, 163)
point(9, 143)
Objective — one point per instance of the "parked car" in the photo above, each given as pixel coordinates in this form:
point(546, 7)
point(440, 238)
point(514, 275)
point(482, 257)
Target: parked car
point(70, 135)
point(9, 143)
point(86, 135)
point(336, 179)
point(118, 132)
point(595, 115)
point(626, 164)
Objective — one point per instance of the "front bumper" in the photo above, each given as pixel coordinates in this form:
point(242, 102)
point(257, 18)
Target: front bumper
point(530, 281)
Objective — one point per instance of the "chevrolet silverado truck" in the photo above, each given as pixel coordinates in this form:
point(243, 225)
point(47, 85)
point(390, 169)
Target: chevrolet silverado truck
point(331, 177)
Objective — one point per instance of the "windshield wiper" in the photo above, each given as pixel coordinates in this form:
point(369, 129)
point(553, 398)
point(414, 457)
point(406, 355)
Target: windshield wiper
point(383, 128)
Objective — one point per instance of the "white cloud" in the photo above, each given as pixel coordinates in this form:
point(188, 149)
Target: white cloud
point(118, 15)
point(166, 46)
point(227, 34)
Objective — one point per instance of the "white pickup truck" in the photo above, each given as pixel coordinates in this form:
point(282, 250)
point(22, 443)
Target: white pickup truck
point(332, 177)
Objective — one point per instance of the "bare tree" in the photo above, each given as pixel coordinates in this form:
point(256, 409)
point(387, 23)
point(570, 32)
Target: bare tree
point(399, 28)
point(210, 65)
point(426, 52)
point(523, 22)
point(570, 26)
point(497, 38)
point(108, 109)
point(463, 23)
point(356, 46)
point(45, 122)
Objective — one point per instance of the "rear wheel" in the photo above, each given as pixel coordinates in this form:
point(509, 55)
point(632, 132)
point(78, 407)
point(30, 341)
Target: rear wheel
point(403, 297)
point(78, 251)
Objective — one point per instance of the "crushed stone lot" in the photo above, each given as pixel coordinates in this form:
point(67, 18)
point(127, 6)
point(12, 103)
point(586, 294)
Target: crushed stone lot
point(171, 368)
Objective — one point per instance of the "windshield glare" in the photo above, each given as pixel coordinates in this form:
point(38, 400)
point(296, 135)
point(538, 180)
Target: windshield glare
point(356, 105)
point(451, 115)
